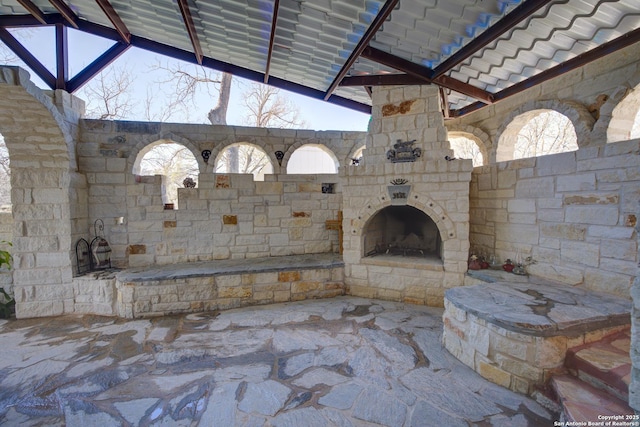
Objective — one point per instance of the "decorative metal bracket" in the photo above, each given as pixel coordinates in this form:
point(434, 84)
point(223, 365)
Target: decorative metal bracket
point(279, 156)
point(205, 155)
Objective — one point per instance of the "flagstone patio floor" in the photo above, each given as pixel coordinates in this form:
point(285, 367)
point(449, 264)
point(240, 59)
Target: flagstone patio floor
point(335, 362)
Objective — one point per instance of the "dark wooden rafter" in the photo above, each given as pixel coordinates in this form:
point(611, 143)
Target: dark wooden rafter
point(115, 19)
point(66, 12)
point(33, 10)
point(513, 18)
point(382, 80)
point(444, 103)
point(96, 66)
point(385, 11)
point(62, 57)
point(191, 29)
point(426, 73)
point(567, 66)
point(26, 56)
point(272, 37)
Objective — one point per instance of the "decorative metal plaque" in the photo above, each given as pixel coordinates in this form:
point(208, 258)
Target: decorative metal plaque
point(403, 151)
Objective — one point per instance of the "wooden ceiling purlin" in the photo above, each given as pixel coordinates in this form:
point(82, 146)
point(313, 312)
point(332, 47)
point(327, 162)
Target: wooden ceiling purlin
point(426, 73)
point(62, 57)
point(191, 29)
point(115, 20)
point(66, 12)
point(33, 10)
point(385, 11)
point(513, 18)
point(272, 37)
point(26, 56)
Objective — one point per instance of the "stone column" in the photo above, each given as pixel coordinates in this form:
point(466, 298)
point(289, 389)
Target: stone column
point(634, 387)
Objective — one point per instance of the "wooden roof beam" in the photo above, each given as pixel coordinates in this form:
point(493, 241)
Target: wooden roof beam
point(382, 80)
point(115, 19)
point(426, 73)
point(66, 12)
point(191, 29)
point(33, 10)
point(272, 37)
point(362, 44)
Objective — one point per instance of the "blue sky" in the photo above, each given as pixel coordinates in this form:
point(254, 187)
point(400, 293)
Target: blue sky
point(84, 48)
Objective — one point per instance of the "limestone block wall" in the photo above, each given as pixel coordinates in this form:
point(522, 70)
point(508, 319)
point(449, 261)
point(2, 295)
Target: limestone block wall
point(634, 387)
point(227, 217)
point(574, 213)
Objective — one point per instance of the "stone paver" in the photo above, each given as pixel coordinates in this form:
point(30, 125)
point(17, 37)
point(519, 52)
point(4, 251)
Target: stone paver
point(340, 362)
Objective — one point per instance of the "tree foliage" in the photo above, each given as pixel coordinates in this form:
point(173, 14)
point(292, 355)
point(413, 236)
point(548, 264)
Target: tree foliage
point(109, 95)
point(267, 107)
point(547, 133)
point(173, 161)
point(466, 148)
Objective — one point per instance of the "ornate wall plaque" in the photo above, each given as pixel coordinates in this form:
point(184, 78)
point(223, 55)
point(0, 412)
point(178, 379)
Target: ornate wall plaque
point(403, 151)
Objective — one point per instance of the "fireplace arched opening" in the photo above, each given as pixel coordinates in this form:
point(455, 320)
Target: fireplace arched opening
point(402, 231)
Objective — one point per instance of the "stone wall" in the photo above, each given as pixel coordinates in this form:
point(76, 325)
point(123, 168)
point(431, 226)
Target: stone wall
point(226, 216)
point(574, 213)
point(634, 387)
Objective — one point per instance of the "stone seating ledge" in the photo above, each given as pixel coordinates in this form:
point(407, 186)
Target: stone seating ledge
point(517, 333)
point(541, 309)
point(187, 270)
point(223, 284)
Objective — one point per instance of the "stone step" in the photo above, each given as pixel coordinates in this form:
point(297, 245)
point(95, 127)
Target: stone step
point(604, 364)
point(581, 402)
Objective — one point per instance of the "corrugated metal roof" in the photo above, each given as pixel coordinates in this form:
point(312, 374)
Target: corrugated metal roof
point(314, 39)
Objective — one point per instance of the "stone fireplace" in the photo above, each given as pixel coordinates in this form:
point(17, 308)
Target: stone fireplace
point(406, 206)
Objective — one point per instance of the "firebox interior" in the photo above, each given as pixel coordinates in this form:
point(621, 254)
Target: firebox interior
point(402, 231)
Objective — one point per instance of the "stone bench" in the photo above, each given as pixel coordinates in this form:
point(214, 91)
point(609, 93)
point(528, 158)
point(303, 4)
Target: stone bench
point(517, 334)
point(223, 284)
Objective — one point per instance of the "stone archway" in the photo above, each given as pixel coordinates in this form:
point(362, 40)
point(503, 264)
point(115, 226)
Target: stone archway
point(38, 142)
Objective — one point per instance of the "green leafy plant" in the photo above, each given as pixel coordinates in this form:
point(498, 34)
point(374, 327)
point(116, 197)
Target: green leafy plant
point(5, 256)
point(8, 302)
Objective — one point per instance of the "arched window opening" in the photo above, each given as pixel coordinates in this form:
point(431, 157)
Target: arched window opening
point(5, 177)
point(171, 160)
point(246, 158)
point(466, 148)
point(546, 132)
point(311, 158)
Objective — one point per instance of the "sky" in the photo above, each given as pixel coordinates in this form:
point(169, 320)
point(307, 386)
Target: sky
point(84, 48)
